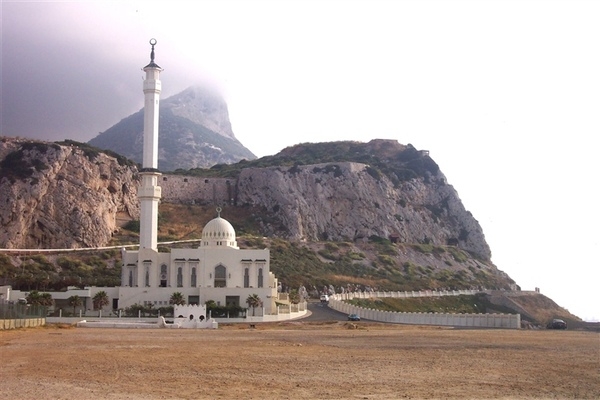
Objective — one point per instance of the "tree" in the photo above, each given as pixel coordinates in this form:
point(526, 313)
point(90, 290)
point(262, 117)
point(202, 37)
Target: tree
point(294, 296)
point(100, 300)
point(75, 301)
point(254, 301)
point(210, 304)
point(36, 298)
point(177, 299)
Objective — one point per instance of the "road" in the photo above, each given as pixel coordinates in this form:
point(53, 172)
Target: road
point(322, 312)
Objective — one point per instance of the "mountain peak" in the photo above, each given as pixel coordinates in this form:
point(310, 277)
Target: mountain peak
point(194, 132)
point(204, 106)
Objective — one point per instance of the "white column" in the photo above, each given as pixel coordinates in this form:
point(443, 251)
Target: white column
point(149, 192)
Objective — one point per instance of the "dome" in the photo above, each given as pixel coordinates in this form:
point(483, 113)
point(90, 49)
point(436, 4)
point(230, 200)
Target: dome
point(218, 233)
point(218, 229)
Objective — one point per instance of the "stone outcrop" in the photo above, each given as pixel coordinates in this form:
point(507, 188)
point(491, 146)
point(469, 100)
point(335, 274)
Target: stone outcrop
point(195, 132)
point(65, 196)
point(343, 201)
point(57, 196)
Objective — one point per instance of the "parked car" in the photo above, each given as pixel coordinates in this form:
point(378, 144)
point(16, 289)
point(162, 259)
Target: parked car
point(353, 317)
point(557, 324)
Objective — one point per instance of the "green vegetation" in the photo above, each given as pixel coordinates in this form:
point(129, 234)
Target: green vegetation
point(254, 302)
point(92, 152)
point(458, 254)
point(21, 164)
point(216, 311)
point(466, 304)
point(177, 298)
point(148, 310)
point(100, 300)
point(36, 298)
point(400, 166)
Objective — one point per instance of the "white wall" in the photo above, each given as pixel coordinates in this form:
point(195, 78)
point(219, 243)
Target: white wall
point(336, 302)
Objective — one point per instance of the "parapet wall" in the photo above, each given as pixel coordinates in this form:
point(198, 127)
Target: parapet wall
point(197, 190)
point(21, 323)
point(512, 321)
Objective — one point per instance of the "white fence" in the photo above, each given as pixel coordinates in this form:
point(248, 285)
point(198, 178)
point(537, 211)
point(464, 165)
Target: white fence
point(336, 302)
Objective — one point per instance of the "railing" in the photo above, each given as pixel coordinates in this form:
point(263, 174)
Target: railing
point(16, 315)
point(336, 302)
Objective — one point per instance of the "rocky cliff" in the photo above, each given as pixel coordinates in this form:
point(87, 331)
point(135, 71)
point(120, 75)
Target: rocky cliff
point(194, 132)
point(71, 196)
point(62, 196)
point(344, 202)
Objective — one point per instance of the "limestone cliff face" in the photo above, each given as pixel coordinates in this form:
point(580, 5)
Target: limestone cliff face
point(195, 132)
point(55, 196)
point(345, 201)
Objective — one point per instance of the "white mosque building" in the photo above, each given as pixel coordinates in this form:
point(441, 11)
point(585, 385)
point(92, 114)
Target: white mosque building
point(217, 270)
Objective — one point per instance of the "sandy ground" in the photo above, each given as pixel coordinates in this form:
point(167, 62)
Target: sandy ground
point(298, 360)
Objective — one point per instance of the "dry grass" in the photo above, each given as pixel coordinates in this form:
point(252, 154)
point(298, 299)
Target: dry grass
point(299, 360)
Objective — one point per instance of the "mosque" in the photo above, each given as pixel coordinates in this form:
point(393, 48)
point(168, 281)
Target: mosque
point(217, 270)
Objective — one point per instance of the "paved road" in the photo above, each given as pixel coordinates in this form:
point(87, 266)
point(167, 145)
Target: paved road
point(322, 312)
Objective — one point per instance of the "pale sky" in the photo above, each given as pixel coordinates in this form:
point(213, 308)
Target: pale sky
point(504, 94)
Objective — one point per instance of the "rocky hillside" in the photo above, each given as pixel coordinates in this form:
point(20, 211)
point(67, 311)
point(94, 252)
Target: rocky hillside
point(62, 196)
point(66, 195)
point(350, 191)
point(377, 214)
point(194, 132)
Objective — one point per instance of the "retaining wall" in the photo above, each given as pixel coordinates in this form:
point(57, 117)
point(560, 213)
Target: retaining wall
point(21, 323)
point(200, 190)
point(511, 321)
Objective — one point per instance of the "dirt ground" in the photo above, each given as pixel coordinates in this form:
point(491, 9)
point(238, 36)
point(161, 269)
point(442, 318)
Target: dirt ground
point(298, 360)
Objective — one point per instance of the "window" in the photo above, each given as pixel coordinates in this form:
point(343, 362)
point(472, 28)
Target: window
point(246, 278)
point(147, 265)
point(163, 275)
point(220, 276)
point(179, 277)
point(194, 277)
point(130, 278)
point(260, 277)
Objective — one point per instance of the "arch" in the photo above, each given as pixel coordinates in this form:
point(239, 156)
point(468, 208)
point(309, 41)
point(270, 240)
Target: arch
point(260, 277)
point(246, 277)
point(194, 278)
point(179, 277)
point(163, 275)
point(220, 276)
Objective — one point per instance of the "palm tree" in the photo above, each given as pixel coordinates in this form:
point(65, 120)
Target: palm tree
point(75, 301)
point(254, 301)
point(36, 298)
point(100, 300)
point(177, 299)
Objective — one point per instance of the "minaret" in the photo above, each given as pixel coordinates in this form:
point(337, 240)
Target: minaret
point(149, 192)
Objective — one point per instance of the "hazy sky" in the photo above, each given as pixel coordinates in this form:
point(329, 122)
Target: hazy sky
point(504, 94)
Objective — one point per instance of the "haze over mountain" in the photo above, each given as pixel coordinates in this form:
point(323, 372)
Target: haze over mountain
point(194, 132)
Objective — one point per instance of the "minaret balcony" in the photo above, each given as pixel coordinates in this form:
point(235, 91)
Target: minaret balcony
point(152, 85)
point(152, 192)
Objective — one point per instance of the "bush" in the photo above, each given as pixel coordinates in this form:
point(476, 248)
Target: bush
point(133, 226)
